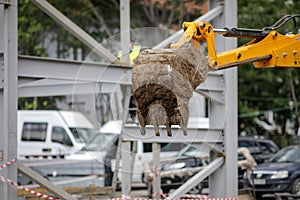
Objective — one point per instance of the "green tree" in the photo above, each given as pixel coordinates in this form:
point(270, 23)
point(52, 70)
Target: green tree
point(38, 103)
point(267, 89)
point(166, 13)
point(37, 31)
point(30, 29)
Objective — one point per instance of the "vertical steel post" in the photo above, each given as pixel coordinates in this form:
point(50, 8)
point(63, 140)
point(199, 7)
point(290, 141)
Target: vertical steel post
point(8, 94)
point(125, 46)
point(156, 163)
point(231, 108)
point(124, 152)
point(125, 149)
point(223, 183)
point(3, 135)
point(126, 173)
point(125, 29)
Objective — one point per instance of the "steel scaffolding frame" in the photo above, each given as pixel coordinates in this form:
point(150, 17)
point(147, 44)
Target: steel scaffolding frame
point(33, 76)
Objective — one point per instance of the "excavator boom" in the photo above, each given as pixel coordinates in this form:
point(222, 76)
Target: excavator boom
point(268, 48)
point(163, 80)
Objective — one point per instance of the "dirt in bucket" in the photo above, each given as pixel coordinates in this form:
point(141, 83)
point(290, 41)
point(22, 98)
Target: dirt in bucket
point(163, 81)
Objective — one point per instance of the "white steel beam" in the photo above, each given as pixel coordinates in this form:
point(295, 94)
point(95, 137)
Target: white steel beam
point(156, 184)
point(125, 47)
point(57, 191)
point(51, 87)
point(132, 133)
point(231, 108)
point(35, 67)
point(126, 148)
point(74, 29)
point(125, 29)
point(5, 2)
point(126, 169)
point(1, 65)
point(213, 87)
point(8, 95)
point(213, 95)
point(223, 183)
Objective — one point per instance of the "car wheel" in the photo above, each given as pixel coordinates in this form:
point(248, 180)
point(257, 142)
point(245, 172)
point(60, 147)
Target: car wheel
point(258, 195)
point(166, 190)
point(197, 189)
point(296, 186)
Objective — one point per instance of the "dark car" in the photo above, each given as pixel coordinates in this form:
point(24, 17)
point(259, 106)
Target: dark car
point(192, 157)
point(280, 174)
point(260, 148)
point(168, 183)
point(178, 169)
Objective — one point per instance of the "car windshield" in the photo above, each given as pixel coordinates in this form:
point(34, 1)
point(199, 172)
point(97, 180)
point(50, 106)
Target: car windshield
point(268, 147)
point(193, 150)
point(287, 155)
point(101, 142)
point(83, 135)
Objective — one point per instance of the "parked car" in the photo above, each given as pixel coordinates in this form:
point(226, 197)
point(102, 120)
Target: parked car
point(260, 148)
point(192, 157)
point(95, 149)
point(280, 174)
point(177, 170)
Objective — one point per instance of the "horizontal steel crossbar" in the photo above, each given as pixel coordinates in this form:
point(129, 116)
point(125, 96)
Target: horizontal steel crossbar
point(132, 133)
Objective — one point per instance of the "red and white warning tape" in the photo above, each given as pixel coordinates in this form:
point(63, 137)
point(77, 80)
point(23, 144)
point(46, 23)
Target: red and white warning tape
point(10, 182)
point(8, 163)
point(160, 193)
point(156, 172)
point(197, 198)
point(222, 199)
point(126, 197)
point(185, 197)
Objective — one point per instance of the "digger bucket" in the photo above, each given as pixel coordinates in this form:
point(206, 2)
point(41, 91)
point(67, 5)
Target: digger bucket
point(163, 81)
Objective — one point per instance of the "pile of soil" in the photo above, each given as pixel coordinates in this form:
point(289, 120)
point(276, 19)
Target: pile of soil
point(163, 81)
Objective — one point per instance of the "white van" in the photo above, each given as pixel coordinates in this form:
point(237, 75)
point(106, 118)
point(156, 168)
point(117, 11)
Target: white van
point(51, 134)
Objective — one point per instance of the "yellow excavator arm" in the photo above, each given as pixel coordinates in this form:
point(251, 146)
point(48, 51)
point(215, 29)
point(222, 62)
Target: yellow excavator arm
point(163, 80)
point(268, 48)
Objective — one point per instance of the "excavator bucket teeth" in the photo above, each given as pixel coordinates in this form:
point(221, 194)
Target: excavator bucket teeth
point(163, 81)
